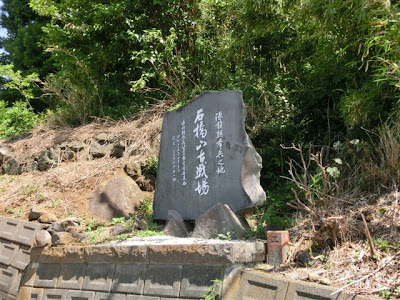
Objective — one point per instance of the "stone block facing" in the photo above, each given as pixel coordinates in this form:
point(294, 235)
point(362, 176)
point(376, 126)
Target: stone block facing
point(129, 278)
point(108, 296)
point(26, 293)
point(53, 294)
point(4, 296)
point(80, 295)
point(47, 275)
point(99, 277)
point(309, 291)
point(163, 280)
point(8, 228)
point(71, 276)
point(196, 280)
point(26, 233)
point(10, 279)
point(134, 297)
point(255, 286)
point(22, 258)
point(8, 250)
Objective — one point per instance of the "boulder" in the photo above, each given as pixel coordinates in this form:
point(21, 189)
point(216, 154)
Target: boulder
point(62, 238)
point(175, 225)
point(116, 197)
point(42, 239)
point(218, 220)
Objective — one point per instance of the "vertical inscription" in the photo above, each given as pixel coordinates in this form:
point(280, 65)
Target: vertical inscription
point(200, 132)
point(220, 141)
point(173, 159)
point(183, 144)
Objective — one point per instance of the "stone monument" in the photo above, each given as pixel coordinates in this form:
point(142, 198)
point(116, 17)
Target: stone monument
point(206, 157)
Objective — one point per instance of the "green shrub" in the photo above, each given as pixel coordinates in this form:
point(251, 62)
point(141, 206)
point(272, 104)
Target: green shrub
point(16, 119)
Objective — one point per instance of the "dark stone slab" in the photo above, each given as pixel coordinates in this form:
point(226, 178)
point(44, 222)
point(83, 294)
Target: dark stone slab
point(163, 280)
point(99, 277)
point(71, 276)
point(196, 280)
point(206, 157)
point(129, 278)
point(47, 275)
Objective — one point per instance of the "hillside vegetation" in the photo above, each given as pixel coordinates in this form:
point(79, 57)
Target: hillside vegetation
point(320, 80)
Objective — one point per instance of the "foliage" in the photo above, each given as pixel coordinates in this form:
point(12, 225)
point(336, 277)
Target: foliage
point(213, 292)
point(148, 232)
point(16, 119)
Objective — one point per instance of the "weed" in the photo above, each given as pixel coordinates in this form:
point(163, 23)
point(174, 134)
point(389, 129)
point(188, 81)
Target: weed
point(54, 203)
point(397, 291)
point(16, 213)
point(146, 208)
point(124, 236)
point(227, 236)
point(30, 190)
point(2, 189)
point(148, 232)
point(385, 294)
point(381, 212)
point(213, 292)
point(126, 222)
point(383, 245)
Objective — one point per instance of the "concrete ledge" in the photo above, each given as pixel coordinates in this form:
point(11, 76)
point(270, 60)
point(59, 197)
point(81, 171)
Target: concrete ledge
point(223, 253)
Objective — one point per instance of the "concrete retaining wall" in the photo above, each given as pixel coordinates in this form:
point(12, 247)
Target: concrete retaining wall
point(141, 272)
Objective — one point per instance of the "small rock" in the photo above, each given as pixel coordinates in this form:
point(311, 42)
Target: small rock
point(303, 257)
point(75, 146)
point(47, 218)
point(70, 222)
point(102, 138)
point(145, 184)
point(62, 238)
point(96, 150)
point(56, 227)
point(42, 239)
point(45, 160)
point(175, 225)
point(34, 214)
point(133, 169)
point(217, 221)
point(68, 155)
point(118, 229)
point(12, 167)
point(141, 223)
point(118, 150)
